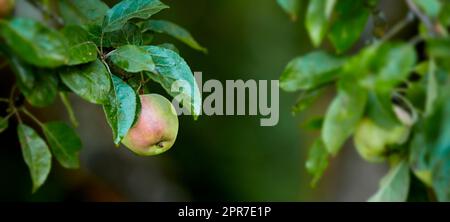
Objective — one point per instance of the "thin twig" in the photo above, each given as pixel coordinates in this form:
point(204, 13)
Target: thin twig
point(398, 27)
point(12, 106)
point(416, 40)
point(46, 11)
point(32, 117)
point(425, 19)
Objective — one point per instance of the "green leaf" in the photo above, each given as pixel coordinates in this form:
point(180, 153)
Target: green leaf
point(382, 67)
point(130, 34)
point(23, 72)
point(343, 115)
point(81, 12)
point(317, 161)
point(394, 186)
point(39, 87)
point(440, 157)
point(350, 19)
point(310, 71)
point(317, 19)
point(34, 43)
point(420, 149)
point(393, 64)
point(170, 47)
point(80, 49)
point(132, 59)
point(121, 109)
point(36, 155)
point(439, 48)
point(90, 81)
point(64, 142)
point(3, 124)
point(291, 7)
point(432, 89)
point(444, 15)
point(174, 30)
point(172, 69)
point(380, 109)
point(314, 123)
point(126, 10)
point(430, 7)
point(306, 99)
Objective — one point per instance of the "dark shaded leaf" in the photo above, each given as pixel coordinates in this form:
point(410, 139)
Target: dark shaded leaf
point(3, 124)
point(43, 88)
point(64, 143)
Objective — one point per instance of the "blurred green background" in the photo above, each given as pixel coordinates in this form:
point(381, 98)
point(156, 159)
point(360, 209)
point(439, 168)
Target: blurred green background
point(219, 158)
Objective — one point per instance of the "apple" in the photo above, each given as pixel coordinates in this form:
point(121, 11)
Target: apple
point(6, 7)
point(372, 140)
point(156, 129)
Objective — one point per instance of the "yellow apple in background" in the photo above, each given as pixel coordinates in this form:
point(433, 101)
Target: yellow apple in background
point(156, 128)
point(372, 141)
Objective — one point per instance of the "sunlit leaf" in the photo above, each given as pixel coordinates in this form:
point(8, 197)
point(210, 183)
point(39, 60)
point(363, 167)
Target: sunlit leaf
point(317, 19)
point(343, 116)
point(394, 186)
point(126, 10)
point(121, 109)
point(310, 71)
point(172, 69)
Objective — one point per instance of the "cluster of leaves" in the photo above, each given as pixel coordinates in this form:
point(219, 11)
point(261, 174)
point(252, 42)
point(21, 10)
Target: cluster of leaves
point(392, 97)
point(104, 55)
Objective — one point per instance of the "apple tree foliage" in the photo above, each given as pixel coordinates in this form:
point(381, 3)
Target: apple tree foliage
point(105, 55)
point(392, 92)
